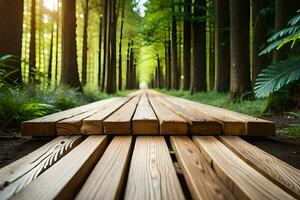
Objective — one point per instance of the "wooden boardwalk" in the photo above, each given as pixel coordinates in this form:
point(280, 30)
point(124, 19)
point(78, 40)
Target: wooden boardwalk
point(148, 146)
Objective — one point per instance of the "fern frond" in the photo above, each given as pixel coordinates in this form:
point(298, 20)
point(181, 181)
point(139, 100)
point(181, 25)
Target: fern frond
point(276, 76)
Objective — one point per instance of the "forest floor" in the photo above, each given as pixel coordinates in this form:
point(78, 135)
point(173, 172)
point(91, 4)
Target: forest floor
point(285, 145)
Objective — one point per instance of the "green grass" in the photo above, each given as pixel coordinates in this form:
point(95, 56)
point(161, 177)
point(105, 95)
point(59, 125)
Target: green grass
point(249, 107)
point(292, 131)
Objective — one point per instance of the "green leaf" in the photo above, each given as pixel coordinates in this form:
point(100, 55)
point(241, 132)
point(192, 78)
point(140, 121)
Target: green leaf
point(277, 75)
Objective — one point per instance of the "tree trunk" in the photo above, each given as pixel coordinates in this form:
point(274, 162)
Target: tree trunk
point(187, 44)
point(69, 72)
point(131, 67)
point(50, 55)
point(211, 48)
point(169, 65)
point(120, 47)
point(199, 45)
point(111, 79)
point(84, 42)
point(11, 25)
point(105, 42)
point(57, 43)
point(239, 48)
point(175, 72)
point(222, 46)
point(259, 37)
point(128, 67)
point(99, 52)
point(32, 51)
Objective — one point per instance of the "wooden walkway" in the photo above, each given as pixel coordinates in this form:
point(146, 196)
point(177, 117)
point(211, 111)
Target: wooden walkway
point(130, 148)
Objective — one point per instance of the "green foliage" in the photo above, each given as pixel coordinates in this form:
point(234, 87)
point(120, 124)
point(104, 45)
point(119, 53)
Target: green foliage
point(7, 70)
point(248, 107)
point(289, 34)
point(293, 131)
point(277, 75)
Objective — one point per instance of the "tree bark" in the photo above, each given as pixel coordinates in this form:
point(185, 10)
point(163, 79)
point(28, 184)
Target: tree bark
point(211, 47)
point(169, 65)
point(69, 72)
point(100, 51)
point(105, 42)
point(222, 46)
point(259, 37)
point(239, 48)
point(175, 72)
point(50, 55)
point(120, 46)
point(85, 41)
point(128, 67)
point(199, 45)
point(131, 67)
point(57, 43)
point(187, 44)
point(32, 45)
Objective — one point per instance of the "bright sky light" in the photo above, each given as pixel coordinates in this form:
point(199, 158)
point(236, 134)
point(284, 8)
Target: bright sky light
point(141, 7)
point(50, 4)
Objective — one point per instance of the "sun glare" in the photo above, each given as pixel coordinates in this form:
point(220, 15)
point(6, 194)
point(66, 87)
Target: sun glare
point(50, 4)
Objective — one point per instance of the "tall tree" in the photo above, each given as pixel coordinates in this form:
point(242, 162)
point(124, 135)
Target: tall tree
point(50, 55)
point(111, 68)
point(32, 47)
point(69, 72)
point(105, 42)
point(85, 40)
point(259, 36)
point(222, 46)
point(199, 45)
point(57, 42)
point(239, 48)
point(187, 44)
point(100, 50)
point(211, 32)
point(175, 70)
point(131, 67)
point(128, 67)
point(120, 46)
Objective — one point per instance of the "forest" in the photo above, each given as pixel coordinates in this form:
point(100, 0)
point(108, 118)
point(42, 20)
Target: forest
point(242, 55)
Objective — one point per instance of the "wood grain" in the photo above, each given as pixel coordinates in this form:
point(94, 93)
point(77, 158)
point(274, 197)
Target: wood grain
point(120, 121)
point(46, 126)
point(94, 123)
point(198, 123)
point(169, 122)
point(152, 175)
point(107, 178)
point(202, 182)
point(64, 179)
point(282, 174)
point(20, 173)
point(242, 180)
point(144, 120)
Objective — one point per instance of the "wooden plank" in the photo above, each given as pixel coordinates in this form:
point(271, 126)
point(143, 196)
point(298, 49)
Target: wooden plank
point(234, 123)
point(107, 178)
point(74, 124)
point(144, 120)
point(152, 174)
point(198, 123)
point(241, 179)
point(94, 123)
point(20, 173)
point(46, 126)
point(120, 121)
point(202, 182)
point(64, 179)
point(169, 122)
point(282, 174)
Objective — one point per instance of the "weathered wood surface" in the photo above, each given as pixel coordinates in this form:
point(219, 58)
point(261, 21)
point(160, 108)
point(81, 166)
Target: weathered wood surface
point(17, 175)
point(120, 121)
point(144, 120)
point(202, 182)
point(169, 122)
point(64, 179)
point(241, 179)
point(46, 126)
point(152, 175)
point(107, 178)
point(282, 174)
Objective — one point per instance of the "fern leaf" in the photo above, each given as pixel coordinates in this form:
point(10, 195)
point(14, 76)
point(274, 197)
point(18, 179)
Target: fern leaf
point(276, 76)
